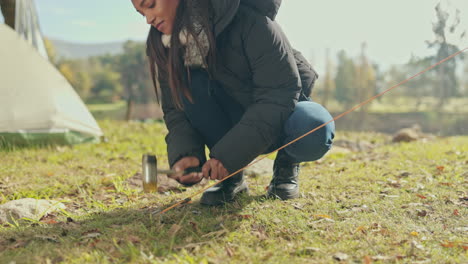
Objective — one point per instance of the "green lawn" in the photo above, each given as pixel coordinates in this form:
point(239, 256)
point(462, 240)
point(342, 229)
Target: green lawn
point(398, 203)
point(114, 111)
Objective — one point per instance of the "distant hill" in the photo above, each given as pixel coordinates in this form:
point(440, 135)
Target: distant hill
point(71, 50)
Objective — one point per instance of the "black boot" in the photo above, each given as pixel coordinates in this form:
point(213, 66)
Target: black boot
point(225, 191)
point(284, 184)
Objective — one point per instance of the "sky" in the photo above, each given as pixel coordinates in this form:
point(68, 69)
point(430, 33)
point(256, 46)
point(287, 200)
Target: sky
point(392, 29)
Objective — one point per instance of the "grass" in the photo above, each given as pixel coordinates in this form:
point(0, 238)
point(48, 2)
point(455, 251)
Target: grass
point(427, 104)
point(113, 111)
point(386, 105)
point(400, 203)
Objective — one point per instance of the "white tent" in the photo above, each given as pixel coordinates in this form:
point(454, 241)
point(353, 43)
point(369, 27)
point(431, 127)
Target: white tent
point(36, 102)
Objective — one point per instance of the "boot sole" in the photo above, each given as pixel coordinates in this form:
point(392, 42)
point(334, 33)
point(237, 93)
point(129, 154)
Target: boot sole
point(211, 199)
point(283, 195)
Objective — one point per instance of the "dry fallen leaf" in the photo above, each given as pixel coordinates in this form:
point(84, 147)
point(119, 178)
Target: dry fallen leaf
point(416, 245)
point(361, 229)
point(49, 219)
point(421, 196)
point(91, 235)
point(456, 212)
point(422, 213)
point(192, 246)
point(298, 206)
point(440, 168)
point(94, 243)
point(384, 232)
point(381, 258)
point(322, 216)
point(276, 221)
point(133, 239)
point(395, 184)
point(446, 183)
point(244, 216)
point(360, 209)
point(259, 231)
point(215, 233)
point(229, 251)
point(174, 229)
point(367, 260)
point(194, 226)
point(450, 244)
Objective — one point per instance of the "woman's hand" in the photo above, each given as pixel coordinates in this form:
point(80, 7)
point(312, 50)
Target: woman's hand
point(183, 164)
point(214, 169)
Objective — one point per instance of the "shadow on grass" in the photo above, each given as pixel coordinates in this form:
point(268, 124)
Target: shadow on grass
point(126, 233)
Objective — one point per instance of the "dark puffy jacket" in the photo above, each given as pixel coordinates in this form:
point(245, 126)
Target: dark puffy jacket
point(256, 66)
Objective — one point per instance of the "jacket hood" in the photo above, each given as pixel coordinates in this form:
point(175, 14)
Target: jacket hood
point(225, 10)
point(268, 8)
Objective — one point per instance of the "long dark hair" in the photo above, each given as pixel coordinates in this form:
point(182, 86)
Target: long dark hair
point(167, 64)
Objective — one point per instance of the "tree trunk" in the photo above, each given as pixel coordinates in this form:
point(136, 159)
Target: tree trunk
point(128, 115)
point(8, 11)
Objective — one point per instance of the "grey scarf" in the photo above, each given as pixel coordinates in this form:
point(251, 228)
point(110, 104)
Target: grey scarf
point(193, 56)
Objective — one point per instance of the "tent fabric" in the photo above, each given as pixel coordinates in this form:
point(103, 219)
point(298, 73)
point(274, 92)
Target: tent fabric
point(8, 140)
point(34, 96)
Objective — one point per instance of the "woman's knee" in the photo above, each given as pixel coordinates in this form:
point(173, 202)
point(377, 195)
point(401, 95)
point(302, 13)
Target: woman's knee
point(306, 117)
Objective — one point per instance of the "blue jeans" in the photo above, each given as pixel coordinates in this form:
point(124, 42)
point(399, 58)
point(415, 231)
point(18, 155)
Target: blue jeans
point(214, 113)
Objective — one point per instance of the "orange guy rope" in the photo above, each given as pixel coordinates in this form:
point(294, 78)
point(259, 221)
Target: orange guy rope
point(187, 200)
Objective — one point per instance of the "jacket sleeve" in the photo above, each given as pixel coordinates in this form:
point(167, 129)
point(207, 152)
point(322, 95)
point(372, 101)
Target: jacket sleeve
point(182, 139)
point(277, 86)
point(307, 74)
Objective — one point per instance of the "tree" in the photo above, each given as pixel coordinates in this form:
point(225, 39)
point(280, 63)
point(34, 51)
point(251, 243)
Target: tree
point(84, 84)
point(365, 80)
point(465, 84)
point(447, 84)
point(106, 87)
point(67, 71)
point(422, 86)
point(51, 52)
point(133, 67)
point(328, 81)
point(380, 85)
point(345, 79)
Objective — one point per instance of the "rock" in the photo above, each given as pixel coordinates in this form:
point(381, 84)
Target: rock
point(405, 135)
point(164, 183)
point(410, 134)
point(27, 208)
point(263, 167)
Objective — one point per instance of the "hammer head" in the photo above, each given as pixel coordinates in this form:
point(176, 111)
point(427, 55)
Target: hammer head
point(150, 173)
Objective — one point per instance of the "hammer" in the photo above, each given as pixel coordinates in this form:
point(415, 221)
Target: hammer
point(151, 171)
